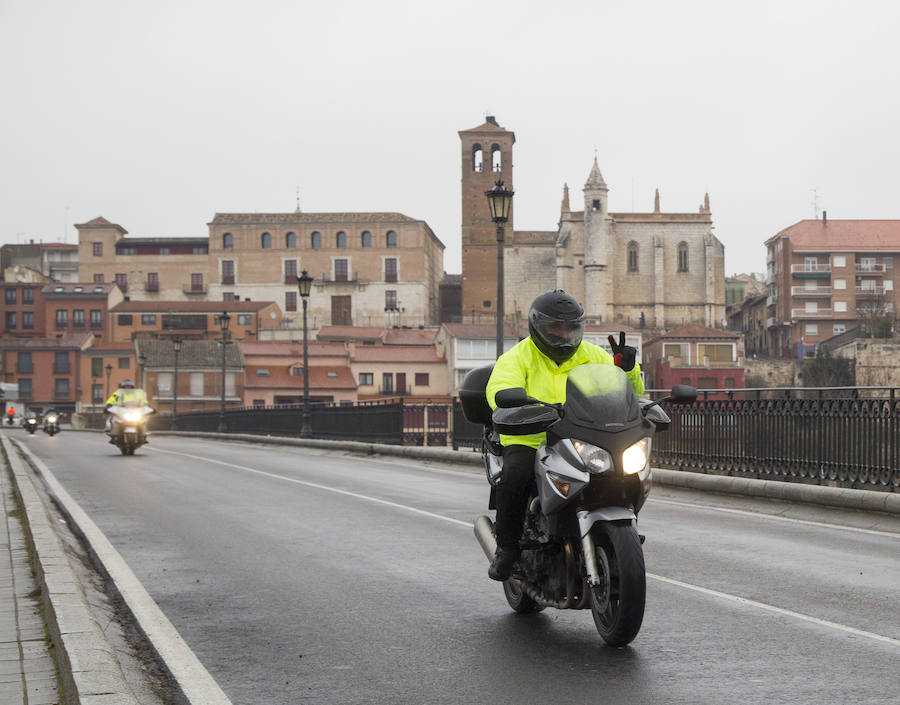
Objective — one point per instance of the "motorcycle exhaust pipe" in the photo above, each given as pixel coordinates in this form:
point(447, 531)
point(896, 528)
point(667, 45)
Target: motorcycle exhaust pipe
point(484, 532)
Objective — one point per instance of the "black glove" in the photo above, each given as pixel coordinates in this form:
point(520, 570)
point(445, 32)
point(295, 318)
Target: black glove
point(623, 355)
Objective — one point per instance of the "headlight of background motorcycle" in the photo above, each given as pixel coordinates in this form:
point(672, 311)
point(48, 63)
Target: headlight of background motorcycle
point(51, 419)
point(132, 415)
point(596, 460)
point(636, 457)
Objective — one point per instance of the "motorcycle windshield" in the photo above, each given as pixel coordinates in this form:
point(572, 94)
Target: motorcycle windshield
point(600, 396)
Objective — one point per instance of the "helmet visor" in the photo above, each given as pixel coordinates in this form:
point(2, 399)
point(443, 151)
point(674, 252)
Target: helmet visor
point(558, 333)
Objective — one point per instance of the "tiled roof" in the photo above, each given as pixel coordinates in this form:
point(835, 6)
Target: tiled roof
point(486, 331)
point(67, 340)
point(410, 336)
point(307, 218)
point(350, 332)
point(70, 289)
point(697, 333)
point(314, 349)
point(844, 235)
point(197, 354)
point(395, 353)
point(190, 306)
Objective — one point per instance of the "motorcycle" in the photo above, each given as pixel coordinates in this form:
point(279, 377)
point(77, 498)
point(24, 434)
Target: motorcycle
point(128, 426)
point(580, 548)
point(51, 424)
point(30, 424)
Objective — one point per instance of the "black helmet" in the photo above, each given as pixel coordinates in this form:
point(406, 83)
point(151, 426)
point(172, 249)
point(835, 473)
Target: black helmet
point(126, 384)
point(556, 325)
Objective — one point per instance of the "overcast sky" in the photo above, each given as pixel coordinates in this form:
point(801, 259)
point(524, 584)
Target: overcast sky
point(156, 115)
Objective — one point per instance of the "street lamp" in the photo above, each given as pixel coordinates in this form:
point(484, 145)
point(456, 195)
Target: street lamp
point(108, 373)
point(223, 321)
point(176, 348)
point(499, 201)
point(304, 284)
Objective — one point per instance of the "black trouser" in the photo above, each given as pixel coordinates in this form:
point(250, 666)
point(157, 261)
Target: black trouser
point(511, 494)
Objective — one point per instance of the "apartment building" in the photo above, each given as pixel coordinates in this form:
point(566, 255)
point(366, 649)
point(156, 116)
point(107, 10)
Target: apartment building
point(827, 277)
point(705, 358)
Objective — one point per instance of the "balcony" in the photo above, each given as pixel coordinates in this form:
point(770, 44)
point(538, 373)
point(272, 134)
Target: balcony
point(804, 291)
point(195, 289)
point(59, 395)
point(79, 325)
point(863, 292)
point(810, 271)
point(803, 313)
point(771, 322)
point(227, 279)
point(152, 287)
point(62, 369)
point(61, 325)
point(349, 278)
point(770, 300)
point(870, 268)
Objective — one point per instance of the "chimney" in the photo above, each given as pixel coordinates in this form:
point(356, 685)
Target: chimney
point(824, 217)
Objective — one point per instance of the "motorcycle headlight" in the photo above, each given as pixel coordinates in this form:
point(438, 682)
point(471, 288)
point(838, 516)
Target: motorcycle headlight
point(636, 457)
point(51, 419)
point(596, 460)
point(132, 415)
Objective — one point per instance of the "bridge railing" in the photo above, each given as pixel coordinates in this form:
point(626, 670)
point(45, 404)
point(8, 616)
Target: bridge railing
point(842, 436)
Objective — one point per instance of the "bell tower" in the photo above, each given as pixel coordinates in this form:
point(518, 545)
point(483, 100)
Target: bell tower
point(486, 157)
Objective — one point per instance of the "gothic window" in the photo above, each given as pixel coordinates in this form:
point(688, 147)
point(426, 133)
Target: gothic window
point(496, 159)
point(682, 257)
point(290, 241)
point(341, 240)
point(477, 158)
point(632, 256)
point(366, 238)
point(228, 241)
point(265, 241)
point(316, 240)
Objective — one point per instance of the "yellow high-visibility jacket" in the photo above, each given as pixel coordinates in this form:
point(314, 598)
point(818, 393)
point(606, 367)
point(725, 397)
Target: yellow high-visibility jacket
point(122, 396)
point(526, 366)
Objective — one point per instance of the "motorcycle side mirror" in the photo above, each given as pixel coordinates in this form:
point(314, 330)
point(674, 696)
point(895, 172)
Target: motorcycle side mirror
point(509, 398)
point(683, 394)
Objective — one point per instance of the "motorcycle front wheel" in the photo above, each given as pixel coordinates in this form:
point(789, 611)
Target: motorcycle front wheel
point(617, 603)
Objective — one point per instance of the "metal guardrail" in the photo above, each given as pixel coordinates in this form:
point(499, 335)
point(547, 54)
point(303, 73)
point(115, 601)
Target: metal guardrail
point(839, 436)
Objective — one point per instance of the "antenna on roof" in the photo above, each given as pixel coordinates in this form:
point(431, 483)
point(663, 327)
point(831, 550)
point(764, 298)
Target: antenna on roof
point(815, 204)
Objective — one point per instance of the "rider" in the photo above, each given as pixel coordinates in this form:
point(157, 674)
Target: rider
point(540, 363)
point(126, 393)
point(10, 415)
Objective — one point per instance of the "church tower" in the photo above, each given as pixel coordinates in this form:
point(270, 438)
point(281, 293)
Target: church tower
point(486, 157)
point(598, 246)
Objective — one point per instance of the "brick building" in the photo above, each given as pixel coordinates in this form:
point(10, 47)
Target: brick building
point(705, 358)
point(827, 277)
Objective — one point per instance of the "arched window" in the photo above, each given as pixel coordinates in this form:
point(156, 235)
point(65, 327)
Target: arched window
point(228, 241)
point(496, 159)
point(682, 257)
point(341, 240)
point(265, 241)
point(632, 256)
point(290, 241)
point(477, 158)
point(316, 240)
point(366, 238)
point(391, 239)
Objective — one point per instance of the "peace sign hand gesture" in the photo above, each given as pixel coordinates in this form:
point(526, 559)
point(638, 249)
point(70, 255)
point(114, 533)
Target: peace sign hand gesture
point(624, 356)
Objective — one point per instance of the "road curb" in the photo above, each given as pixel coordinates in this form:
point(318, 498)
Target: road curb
point(194, 682)
point(90, 673)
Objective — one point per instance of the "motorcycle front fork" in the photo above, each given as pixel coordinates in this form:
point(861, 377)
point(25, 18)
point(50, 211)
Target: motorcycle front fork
point(590, 559)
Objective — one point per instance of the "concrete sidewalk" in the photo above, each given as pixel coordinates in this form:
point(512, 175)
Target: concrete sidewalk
point(27, 669)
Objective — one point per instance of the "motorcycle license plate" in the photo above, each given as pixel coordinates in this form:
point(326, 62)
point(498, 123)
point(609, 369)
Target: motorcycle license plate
point(130, 429)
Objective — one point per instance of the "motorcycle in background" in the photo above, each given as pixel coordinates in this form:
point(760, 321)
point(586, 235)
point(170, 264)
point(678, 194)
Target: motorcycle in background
point(30, 424)
point(51, 424)
point(580, 548)
point(128, 425)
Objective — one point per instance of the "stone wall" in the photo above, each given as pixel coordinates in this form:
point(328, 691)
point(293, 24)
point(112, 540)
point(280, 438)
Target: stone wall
point(877, 363)
point(771, 373)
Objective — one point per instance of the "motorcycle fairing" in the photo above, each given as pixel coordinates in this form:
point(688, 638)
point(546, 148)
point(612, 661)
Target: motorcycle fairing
point(561, 460)
point(587, 519)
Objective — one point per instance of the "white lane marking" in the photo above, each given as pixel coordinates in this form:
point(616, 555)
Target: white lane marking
point(776, 610)
point(320, 487)
point(678, 583)
point(776, 517)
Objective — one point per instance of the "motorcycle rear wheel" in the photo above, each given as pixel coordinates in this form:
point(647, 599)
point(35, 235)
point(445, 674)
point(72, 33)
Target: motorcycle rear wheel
point(617, 604)
point(518, 599)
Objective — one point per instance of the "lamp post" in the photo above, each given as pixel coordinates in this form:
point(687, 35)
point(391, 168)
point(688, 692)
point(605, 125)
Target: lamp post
point(304, 284)
point(223, 321)
point(499, 201)
point(108, 373)
point(176, 348)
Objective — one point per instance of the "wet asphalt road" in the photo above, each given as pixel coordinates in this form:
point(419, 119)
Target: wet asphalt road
point(302, 575)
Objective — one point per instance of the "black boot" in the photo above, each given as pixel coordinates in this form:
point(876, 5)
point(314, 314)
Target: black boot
point(502, 565)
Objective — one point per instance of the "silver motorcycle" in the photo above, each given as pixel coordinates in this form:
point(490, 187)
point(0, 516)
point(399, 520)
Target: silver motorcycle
point(580, 548)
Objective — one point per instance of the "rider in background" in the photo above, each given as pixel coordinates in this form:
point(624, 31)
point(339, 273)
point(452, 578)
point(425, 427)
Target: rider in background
point(541, 363)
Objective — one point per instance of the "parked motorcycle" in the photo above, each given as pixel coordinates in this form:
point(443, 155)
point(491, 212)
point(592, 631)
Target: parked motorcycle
point(580, 547)
point(30, 424)
point(51, 424)
point(128, 426)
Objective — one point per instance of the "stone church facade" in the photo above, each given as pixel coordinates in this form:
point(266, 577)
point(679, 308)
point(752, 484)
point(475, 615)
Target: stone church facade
point(652, 270)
